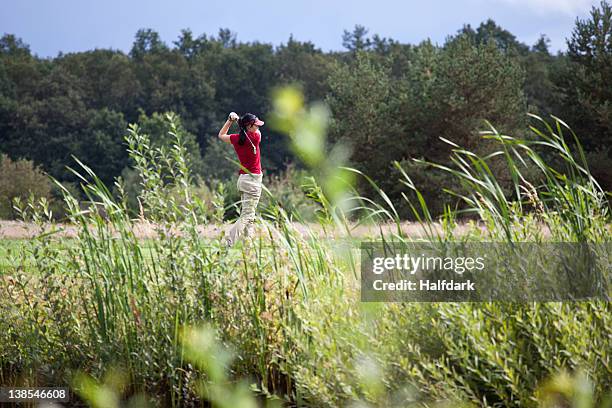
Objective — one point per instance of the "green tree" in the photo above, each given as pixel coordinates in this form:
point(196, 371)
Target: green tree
point(227, 38)
point(172, 81)
point(364, 103)
point(13, 46)
point(188, 46)
point(490, 31)
point(473, 83)
point(465, 85)
point(103, 148)
point(301, 63)
point(105, 79)
point(49, 123)
point(356, 40)
point(158, 128)
point(147, 41)
point(541, 68)
point(587, 105)
point(19, 70)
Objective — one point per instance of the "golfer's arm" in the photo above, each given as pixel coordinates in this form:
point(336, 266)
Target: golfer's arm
point(223, 132)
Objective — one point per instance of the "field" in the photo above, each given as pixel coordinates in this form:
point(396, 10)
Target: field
point(166, 316)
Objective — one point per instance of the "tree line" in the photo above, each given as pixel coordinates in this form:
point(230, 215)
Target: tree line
point(389, 100)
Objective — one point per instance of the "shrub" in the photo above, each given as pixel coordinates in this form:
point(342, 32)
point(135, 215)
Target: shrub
point(286, 191)
point(20, 179)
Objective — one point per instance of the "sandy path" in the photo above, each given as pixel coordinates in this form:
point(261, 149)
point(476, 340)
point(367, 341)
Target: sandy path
point(21, 230)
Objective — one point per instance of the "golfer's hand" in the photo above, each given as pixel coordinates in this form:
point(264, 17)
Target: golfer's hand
point(233, 116)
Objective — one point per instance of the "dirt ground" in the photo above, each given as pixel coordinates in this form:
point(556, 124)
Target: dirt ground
point(21, 230)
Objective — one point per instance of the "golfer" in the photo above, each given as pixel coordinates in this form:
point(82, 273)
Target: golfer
point(246, 145)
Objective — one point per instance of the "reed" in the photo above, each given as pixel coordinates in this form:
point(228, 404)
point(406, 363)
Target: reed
point(107, 304)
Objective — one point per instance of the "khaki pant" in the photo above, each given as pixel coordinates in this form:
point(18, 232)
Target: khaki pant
point(249, 186)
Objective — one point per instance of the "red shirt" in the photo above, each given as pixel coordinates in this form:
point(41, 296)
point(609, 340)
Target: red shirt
point(248, 159)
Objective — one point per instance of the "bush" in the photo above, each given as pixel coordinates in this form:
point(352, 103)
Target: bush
point(20, 179)
point(286, 192)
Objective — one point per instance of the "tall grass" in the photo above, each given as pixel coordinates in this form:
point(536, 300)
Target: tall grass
point(287, 303)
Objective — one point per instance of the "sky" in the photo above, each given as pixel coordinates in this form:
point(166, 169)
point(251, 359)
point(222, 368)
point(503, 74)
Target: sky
point(53, 26)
